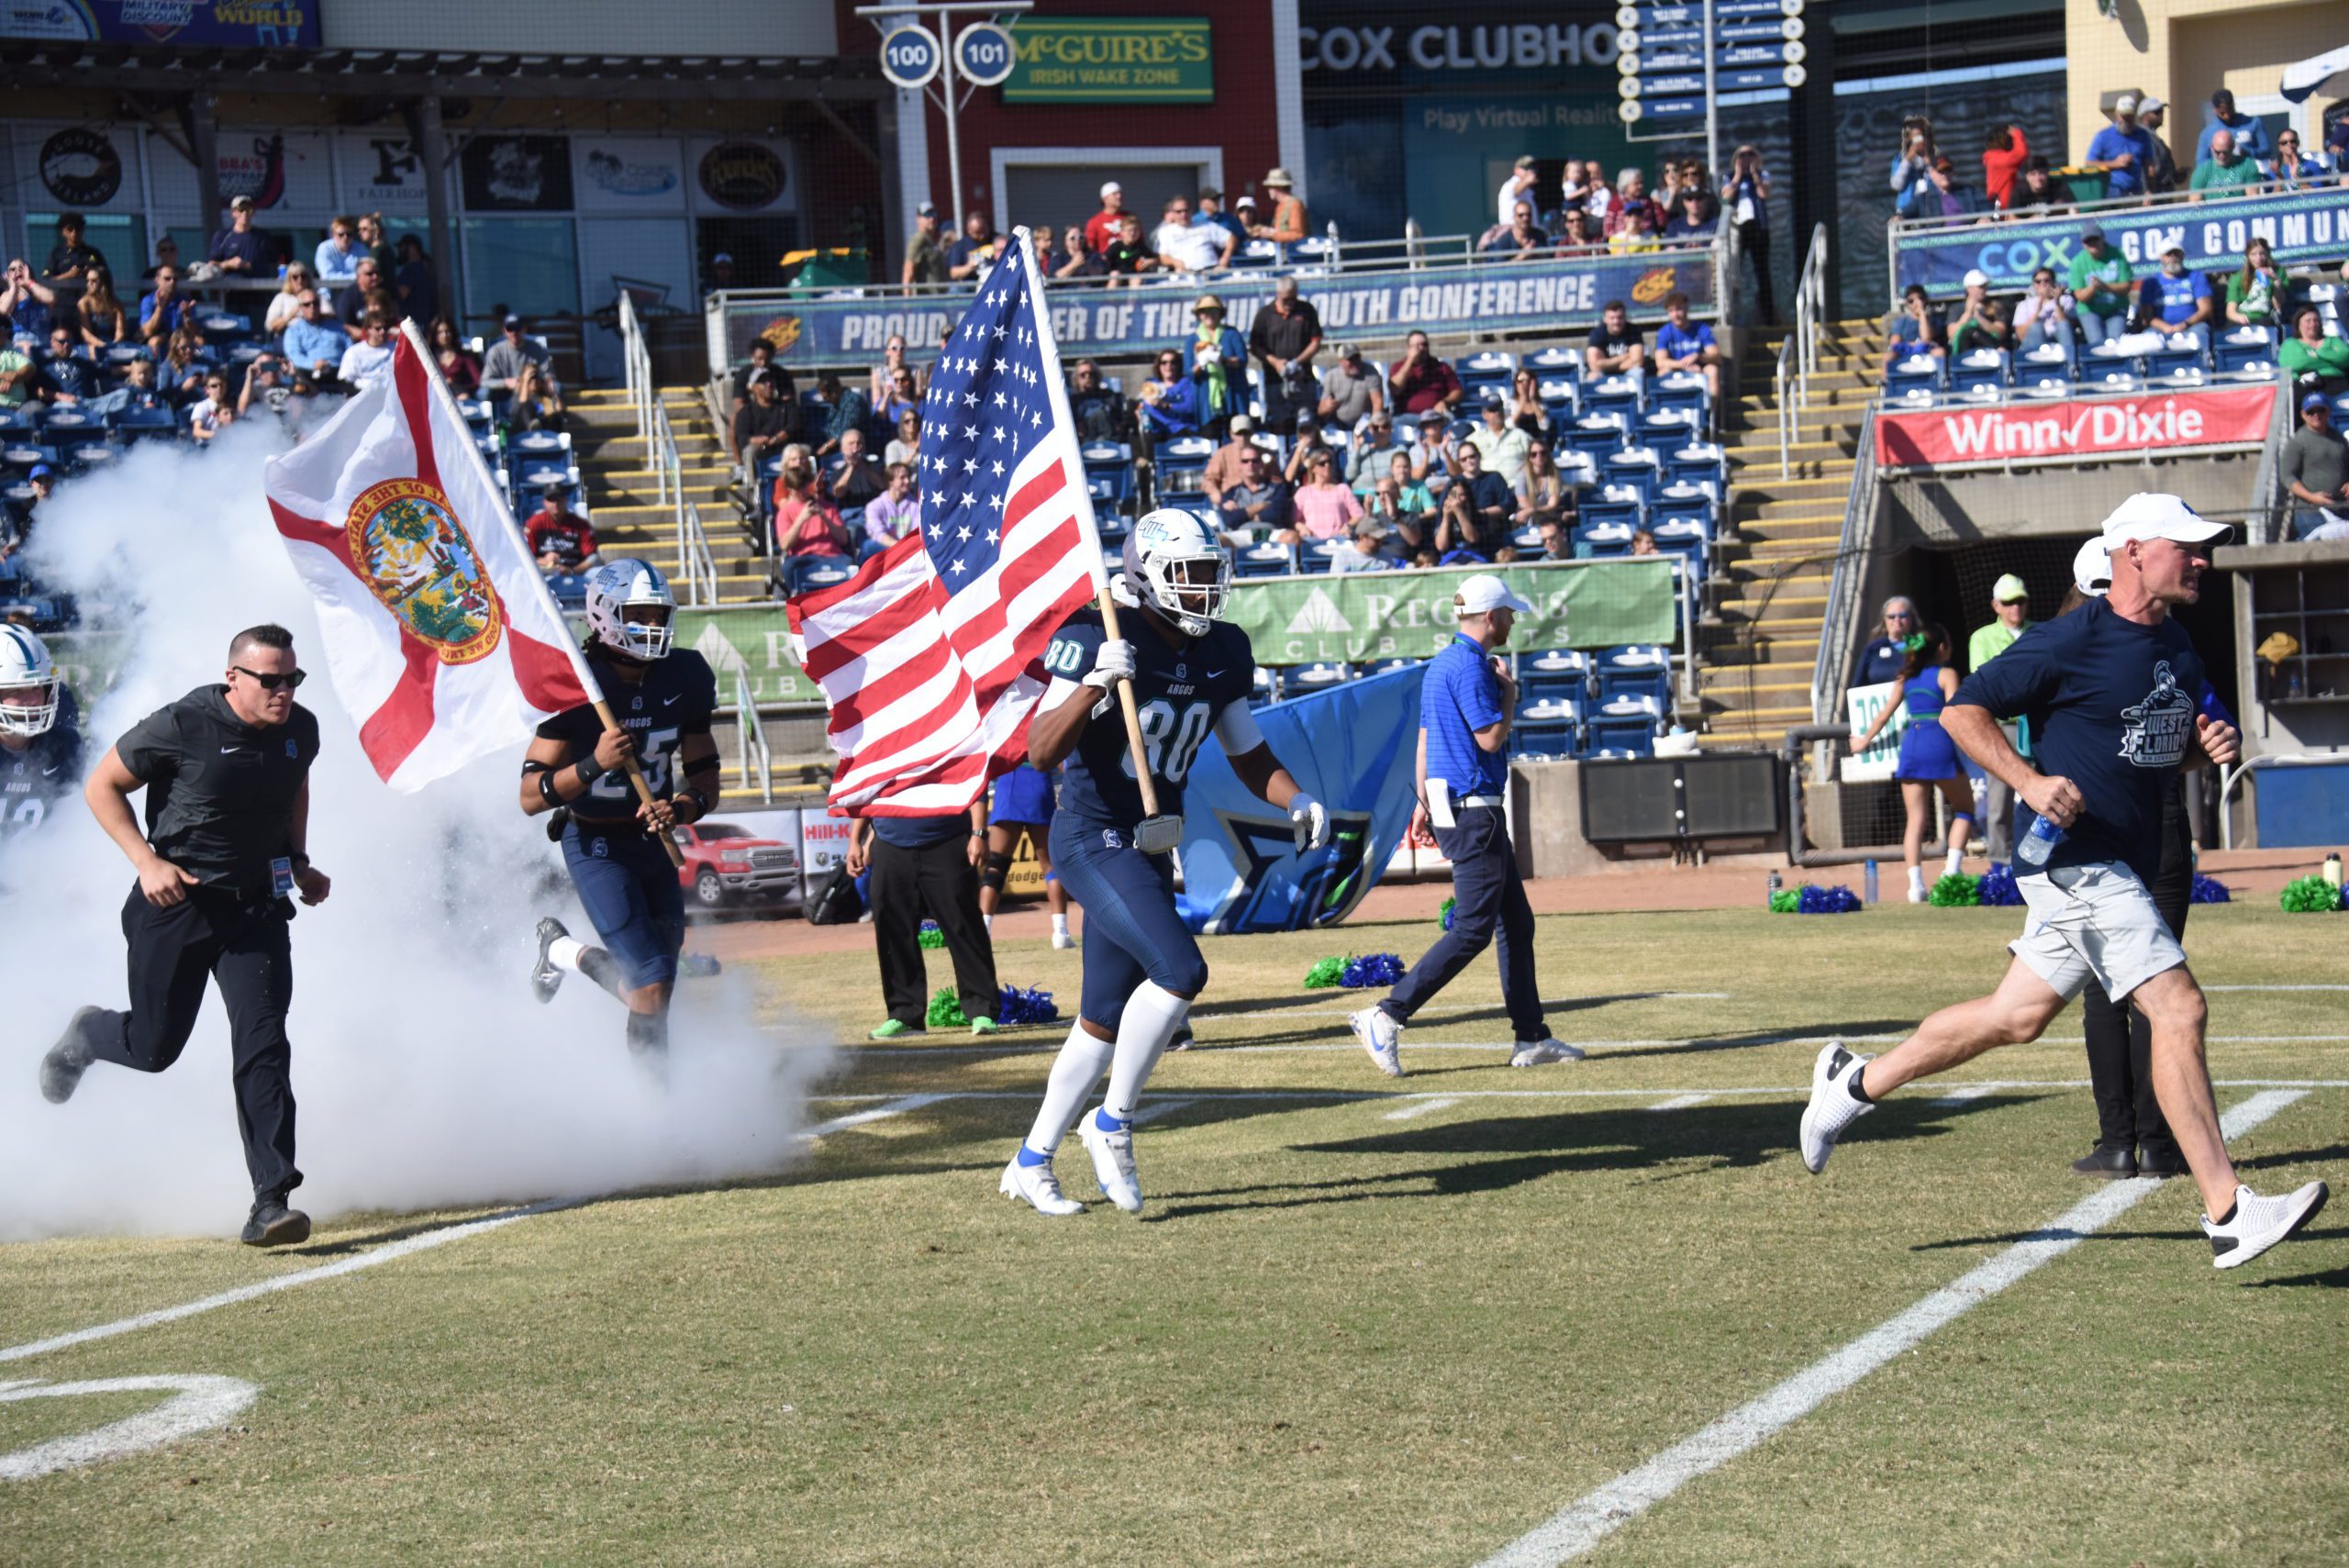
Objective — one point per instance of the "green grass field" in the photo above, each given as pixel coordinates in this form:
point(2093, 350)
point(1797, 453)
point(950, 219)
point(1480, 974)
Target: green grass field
point(1361, 1322)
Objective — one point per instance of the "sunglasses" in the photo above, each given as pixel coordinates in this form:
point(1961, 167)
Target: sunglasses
point(269, 682)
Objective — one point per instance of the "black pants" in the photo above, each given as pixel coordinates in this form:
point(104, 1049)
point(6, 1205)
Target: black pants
point(937, 881)
point(1488, 905)
point(243, 946)
point(2119, 1041)
point(1754, 240)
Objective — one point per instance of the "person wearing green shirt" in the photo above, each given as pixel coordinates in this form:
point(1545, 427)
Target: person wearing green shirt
point(2011, 600)
point(15, 374)
point(2225, 171)
point(2308, 357)
point(2101, 281)
point(2255, 292)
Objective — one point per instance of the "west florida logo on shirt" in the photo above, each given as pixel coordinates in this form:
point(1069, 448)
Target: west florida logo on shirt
point(2153, 733)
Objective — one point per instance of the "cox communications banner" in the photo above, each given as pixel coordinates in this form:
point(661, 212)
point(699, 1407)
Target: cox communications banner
point(2084, 428)
point(2301, 225)
point(1355, 748)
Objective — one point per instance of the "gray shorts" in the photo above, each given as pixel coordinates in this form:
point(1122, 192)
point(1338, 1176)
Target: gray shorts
point(2093, 922)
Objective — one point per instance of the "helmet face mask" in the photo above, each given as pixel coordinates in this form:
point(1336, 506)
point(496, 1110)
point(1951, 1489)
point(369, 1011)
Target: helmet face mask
point(630, 611)
point(26, 668)
point(1175, 567)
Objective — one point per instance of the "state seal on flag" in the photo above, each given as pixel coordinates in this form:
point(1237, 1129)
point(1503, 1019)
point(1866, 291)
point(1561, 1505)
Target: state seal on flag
point(416, 559)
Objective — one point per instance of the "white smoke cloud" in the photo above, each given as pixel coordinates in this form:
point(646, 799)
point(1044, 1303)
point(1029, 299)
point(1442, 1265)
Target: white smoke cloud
point(425, 1073)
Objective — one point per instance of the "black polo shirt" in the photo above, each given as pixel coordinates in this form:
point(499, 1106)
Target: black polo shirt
point(220, 792)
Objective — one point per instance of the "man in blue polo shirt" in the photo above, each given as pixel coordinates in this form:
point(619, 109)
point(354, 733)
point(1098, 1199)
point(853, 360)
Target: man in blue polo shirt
point(1467, 701)
point(1681, 345)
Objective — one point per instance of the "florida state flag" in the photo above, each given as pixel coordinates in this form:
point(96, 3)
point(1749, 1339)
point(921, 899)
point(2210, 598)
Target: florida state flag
point(440, 636)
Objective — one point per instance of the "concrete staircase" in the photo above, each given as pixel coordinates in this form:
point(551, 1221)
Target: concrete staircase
point(1761, 635)
point(621, 486)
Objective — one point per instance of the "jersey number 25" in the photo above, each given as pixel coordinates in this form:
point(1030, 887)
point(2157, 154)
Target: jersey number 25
point(652, 755)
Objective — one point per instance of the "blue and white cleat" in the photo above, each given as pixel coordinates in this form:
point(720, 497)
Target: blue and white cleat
point(1036, 1186)
point(1381, 1036)
point(1112, 1148)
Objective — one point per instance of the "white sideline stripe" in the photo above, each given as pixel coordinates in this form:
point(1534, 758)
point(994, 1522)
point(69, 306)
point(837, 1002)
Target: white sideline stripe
point(1680, 1102)
point(2276, 988)
point(859, 1119)
point(1345, 1004)
point(1966, 1097)
point(1207, 1048)
point(200, 1401)
point(1752, 1090)
point(1423, 1107)
point(1584, 1523)
point(1157, 1108)
point(422, 1241)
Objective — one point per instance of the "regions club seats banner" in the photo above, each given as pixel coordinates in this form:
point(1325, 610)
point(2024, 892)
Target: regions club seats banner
point(2305, 225)
point(1089, 319)
point(1355, 748)
point(1949, 438)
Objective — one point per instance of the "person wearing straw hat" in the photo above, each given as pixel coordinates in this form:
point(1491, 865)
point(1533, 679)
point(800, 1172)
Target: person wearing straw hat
point(1288, 223)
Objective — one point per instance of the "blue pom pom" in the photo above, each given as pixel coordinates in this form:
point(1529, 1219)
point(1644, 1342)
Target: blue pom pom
point(1999, 886)
point(2210, 890)
point(1029, 1007)
point(1816, 900)
point(1371, 969)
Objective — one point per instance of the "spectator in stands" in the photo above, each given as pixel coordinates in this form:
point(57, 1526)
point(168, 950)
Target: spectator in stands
point(1310, 438)
point(1258, 503)
point(1698, 216)
point(1500, 446)
point(906, 445)
point(266, 384)
point(1434, 455)
point(1182, 246)
point(370, 359)
point(2289, 170)
point(2037, 194)
point(284, 305)
point(881, 382)
point(2316, 471)
point(859, 478)
point(762, 425)
point(561, 540)
point(413, 282)
point(508, 355)
point(1916, 329)
point(2256, 290)
point(312, 345)
point(845, 410)
point(1401, 500)
point(364, 292)
point(1351, 391)
point(904, 396)
point(2161, 166)
point(1685, 345)
point(1211, 211)
point(1228, 466)
point(2044, 316)
point(536, 403)
point(1284, 338)
point(1170, 399)
point(106, 320)
point(1636, 234)
point(338, 255)
point(1631, 196)
point(1941, 195)
point(1076, 260)
point(2004, 154)
point(1422, 384)
point(1557, 537)
point(237, 249)
point(1616, 347)
point(895, 513)
point(1979, 322)
point(2101, 281)
point(1104, 226)
point(1642, 542)
point(2248, 133)
point(806, 522)
point(213, 411)
point(1366, 548)
point(1541, 490)
point(2311, 358)
point(1526, 410)
point(2336, 144)
point(29, 304)
point(166, 310)
point(2229, 171)
point(72, 260)
point(2122, 150)
point(1374, 442)
point(68, 375)
point(1911, 163)
point(1322, 506)
point(18, 374)
point(925, 257)
point(763, 368)
point(181, 378)
point(2010, 613)
point(1479, 524)
point(1219, 363)
point(138, 391)
point(376, 240)
point(1099, 409)
point(1289, 223)
point(1881, 659)
point(973, 250)
point(1522, 241)
point(1517, 187)
point(1126, 258)
point(167, 254)
point(2177, 303)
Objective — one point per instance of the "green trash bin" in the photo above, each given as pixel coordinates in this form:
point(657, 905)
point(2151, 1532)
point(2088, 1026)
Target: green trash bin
point(2084, 185)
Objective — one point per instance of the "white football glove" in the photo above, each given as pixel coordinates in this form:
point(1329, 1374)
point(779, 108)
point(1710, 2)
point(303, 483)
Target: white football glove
point(1112, 663)
point(1309, 819)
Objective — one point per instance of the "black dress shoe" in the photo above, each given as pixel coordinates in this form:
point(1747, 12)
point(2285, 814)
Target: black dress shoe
point(272, 1224)
point(2113, 1164)
point(2154, 1161)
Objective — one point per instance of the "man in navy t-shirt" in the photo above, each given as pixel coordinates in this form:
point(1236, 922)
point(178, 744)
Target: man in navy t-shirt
point(2110, 692)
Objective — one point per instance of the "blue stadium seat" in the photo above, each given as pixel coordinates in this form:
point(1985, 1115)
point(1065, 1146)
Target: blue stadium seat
point(539, 443)
point(1982, 374)
point(2045, 383)
point(1561, 396)
point(1914, 373)
point(1265, 688)
point(87, 456)
point(1626, 723)
point(1642, 467)
point(1181, 461)
point(1595, 435)
point(2175, 364)
point(63, 424)
point(1641, 670)
point(569, 590)
point(120, 354)
point(803, 573)
point(1560, 361)
point(1316, 676)
point(1384, 667)
point(223, 326)
point(2047, 358)
point(21, 456)
point(22, 420)
point(2247, 353)
point(1256, 253)
point(1263, 560)
point(1610, 537)
point(1614, 395)
point(1549, 727)
point(1559, 673)
point(1527, 538)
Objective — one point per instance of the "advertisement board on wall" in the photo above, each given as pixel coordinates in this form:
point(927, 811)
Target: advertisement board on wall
point(628, 174)
point(84, 168)
point(739, 176)
point(517, 173)
point(232, 24)
point(381, 171)
point(2074, 427)
point(2304, 225)
point(282, 171)
point(1102, 59)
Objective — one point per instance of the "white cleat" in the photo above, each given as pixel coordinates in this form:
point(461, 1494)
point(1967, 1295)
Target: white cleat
point(1539, 1052)
point(2258, 1223)
point(1063, 940)
point(1381, 1036)
point(1036, 1186)
point(1113, 1162)
point(546, 978)
point(1831, 1108)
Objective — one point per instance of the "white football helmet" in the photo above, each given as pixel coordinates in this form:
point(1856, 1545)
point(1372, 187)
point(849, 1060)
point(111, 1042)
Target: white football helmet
point(1175, 566)
point(618, 586)
point(26, 666)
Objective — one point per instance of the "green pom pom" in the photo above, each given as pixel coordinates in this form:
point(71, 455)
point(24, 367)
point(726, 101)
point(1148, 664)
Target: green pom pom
point(931, 936)
point(2311, 896)
point(1329, 972)
point(1956, 890)
point(1786, 901)
point(946, 1009)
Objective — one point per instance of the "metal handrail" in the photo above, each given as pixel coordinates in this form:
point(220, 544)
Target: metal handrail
point(695, 560)
point(1799, 349)
point(661, 457)
point(750, 738)
point(636, 366)
point(1843, 585)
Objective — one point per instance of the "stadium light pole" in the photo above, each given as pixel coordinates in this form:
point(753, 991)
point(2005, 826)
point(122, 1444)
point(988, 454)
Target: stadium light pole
point(944, 11)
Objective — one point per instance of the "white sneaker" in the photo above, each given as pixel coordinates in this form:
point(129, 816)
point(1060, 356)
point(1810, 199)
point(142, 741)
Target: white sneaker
point(1381, 1036)
point(1063, 940)
point(1038, 1187)
point(1916, 895)
point(1113, 1162)
point(1536, 1052)
point(2260, 1222)
point(1831, 1108)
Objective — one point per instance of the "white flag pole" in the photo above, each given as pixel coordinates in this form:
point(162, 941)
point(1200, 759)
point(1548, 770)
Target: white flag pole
point(504, 519)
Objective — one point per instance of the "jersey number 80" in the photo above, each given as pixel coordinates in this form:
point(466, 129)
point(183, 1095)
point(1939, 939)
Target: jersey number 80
point(1172, 741)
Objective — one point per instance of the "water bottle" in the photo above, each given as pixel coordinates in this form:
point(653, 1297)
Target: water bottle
point(2039, 843)
point(1869, 882)
point(1771, 891)
point(2332, 868)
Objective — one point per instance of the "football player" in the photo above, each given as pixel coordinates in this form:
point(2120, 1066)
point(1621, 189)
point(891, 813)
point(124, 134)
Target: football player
point(1191, 676)
point(663, 698)
point(40, 743)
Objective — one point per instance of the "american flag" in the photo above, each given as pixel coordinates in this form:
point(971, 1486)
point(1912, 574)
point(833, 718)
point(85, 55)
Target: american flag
point(930, 657)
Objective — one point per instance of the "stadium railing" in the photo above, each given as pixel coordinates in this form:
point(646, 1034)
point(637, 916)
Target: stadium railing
point(636, 366)
point(661, 457)
point(695, 563)
point(750, 739)
point(1798, 351)
point(1840, 625)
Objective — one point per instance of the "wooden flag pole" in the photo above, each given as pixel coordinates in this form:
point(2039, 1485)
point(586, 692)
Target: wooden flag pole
point(1134, 716)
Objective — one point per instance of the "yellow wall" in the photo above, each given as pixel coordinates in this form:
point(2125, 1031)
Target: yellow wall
point(2183, 51)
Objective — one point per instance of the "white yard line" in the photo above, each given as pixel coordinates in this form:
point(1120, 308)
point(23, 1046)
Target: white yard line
point(1423, 1107)
point(1779, 1091)
point(1157, 1108)
point(898, 1106)
point(199, 1402)
point(1583, 1524)
point(1964, 1096)
point(1209, 1047)
point(1680, 1102)
point(2276, 988)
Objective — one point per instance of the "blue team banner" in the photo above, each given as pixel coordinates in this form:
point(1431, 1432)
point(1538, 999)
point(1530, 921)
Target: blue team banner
point(1090, 319)
point(1355, 748)
point(233, 24)
point(2300, 226)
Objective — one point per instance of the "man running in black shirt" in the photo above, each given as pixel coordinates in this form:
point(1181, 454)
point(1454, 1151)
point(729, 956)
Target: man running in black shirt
point(227, 771)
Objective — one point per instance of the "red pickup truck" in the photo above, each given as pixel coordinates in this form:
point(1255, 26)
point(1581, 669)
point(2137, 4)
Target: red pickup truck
point(726, 865)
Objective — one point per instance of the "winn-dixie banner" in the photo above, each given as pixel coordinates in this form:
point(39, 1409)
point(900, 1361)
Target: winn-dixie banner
point(1944, 438)
point(2308, 226)
point(1347, 618)
point(1092, 320)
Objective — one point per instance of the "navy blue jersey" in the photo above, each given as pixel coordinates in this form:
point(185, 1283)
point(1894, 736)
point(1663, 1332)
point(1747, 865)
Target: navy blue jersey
point(676, 698)
point(1179, 692)
point(32, 780)
point(2112, 707)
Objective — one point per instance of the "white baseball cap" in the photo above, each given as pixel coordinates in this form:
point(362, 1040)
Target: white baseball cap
point(2150, 514)
point(2125, 105)
point(1484, 593)
point(2092, 569)
point(1112, 189)
point(1976, 278)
